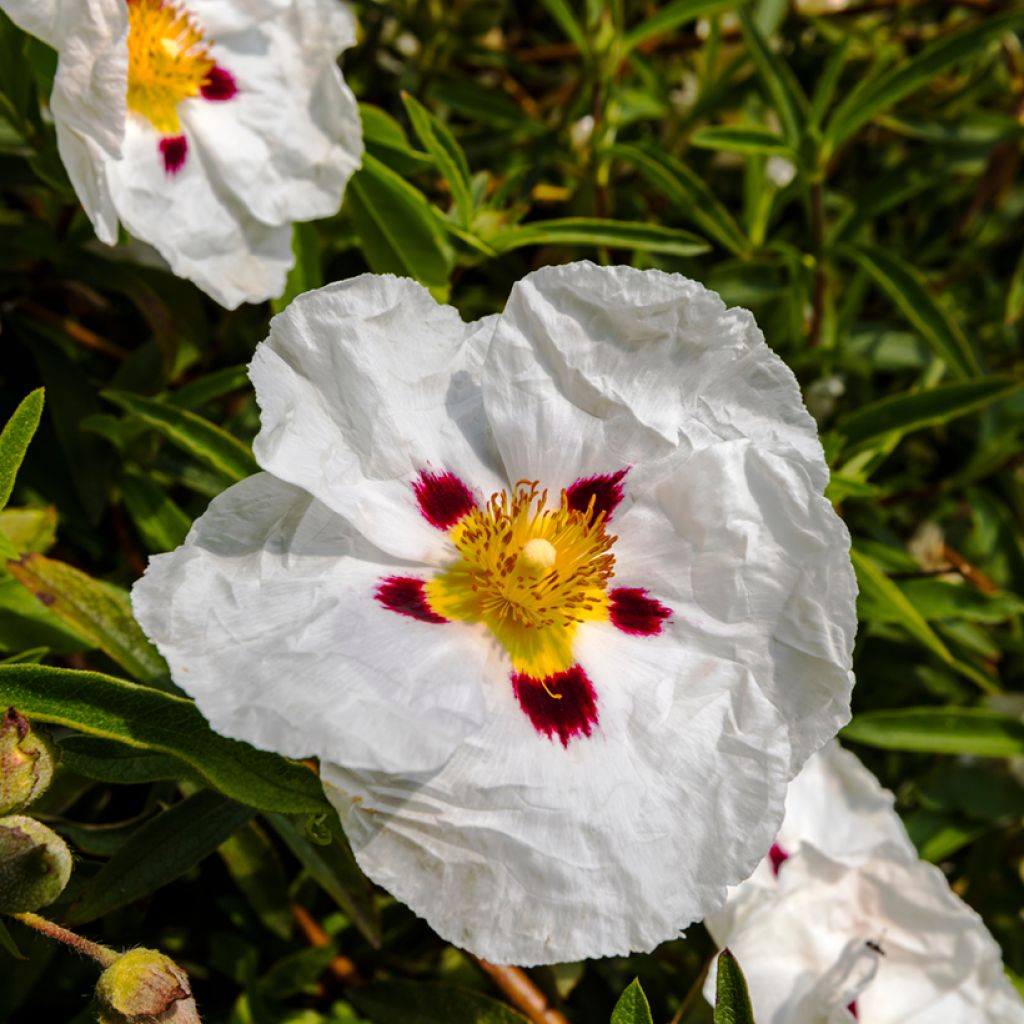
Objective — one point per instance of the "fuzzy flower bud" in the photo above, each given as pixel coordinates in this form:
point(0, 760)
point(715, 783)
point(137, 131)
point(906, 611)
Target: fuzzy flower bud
point(26, 763)
point(145, 987)
point(35, 864)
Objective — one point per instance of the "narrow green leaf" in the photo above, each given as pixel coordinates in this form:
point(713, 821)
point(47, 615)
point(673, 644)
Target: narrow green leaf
point(148, 719)
point(632, 1007)
point(880, 93)
point(688, 192)
point(1015, 293)
point(307, 272)
point(8, 944)
point(14, 441)
point(93, 609)
point(905, 286)
point(209, 387)
point(108, 761)
point(745, 139)
point(254, 865)
point(913, 410)
point(387, 138)
point(395, 226)
point(789, 101)
point(881, 590)
point(668, 17)
point(936, 599)
point(974, 731)
point(414, 1002)
point(159, 520)
point(594, 232)
point(447, 153)
point(335, 870)
point(30, 529)
point(160, 851)
point(203, 440)
point(732, 1000)
point(825, 87)
point(567, 22)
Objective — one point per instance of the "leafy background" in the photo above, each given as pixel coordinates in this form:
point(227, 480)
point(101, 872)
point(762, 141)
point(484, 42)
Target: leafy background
point(849, 171)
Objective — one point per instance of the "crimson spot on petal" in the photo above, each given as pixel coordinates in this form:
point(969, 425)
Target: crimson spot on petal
point(563, 704)
point(407, 596)
point(634, 612)
point(853, 1009)
point(444, 499)
point(778, 856)
point(606, 492)
point(219, 85)
point(174, 150)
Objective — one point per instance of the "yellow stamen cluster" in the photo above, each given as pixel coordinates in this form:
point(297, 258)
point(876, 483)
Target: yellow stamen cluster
point(167, 61)
point(530, 573)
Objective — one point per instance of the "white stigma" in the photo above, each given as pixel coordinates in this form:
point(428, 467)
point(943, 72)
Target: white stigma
point(539, 553)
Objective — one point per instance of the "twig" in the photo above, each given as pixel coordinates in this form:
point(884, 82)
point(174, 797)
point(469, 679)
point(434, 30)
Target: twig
point(969, 572)
point(74, 330)
point(340, 966)
point(519, 989)
point(103, 955)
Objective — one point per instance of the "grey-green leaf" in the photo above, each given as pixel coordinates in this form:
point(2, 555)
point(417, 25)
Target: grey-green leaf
point(632, 1006)
point(741, 139)
point(668, 17)
point(596, 232)
point(15, 439)
point(788, 99)
point(974, 731)
point(732, 1000)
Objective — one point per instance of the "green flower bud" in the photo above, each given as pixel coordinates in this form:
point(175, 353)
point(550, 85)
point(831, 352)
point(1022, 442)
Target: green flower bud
point(145, 987)
point(26, 763)
point(35, 864)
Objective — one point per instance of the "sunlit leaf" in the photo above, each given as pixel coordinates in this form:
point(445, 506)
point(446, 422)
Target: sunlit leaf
point(632, 1007)
point(974, 731)
point(732, 1000)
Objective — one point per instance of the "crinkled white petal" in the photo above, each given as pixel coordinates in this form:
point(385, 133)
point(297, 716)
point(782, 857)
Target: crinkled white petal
point(202, 232)
point(286, 144)
point(85, 163)
point(364, 384)
point(803, 947)
point(37, 17)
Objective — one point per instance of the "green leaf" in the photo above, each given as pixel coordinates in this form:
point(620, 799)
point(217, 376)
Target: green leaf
point(447, 153)
point(395, 225)
point(882, 591)
point(148, 719)
point(203, 440)
point(974, 731)
point(668, 17)
point(907, 289)
point(1015, 293)
point(159, 520)
point(335, 870)
point(14, 441)
point(308, 272)
point(108, 761)
point(595, 232)
point(563, 14)
point(159, 851)
point(789, 101)
point(96, 610)
point(878, 94)
point(30, 529)
point(413, 1002)
point(210, 387)
point(8, 944)
point(632, 1007)
point(908, 411)
point(745, 139)
point(254, 865)
point(387, 138)
point(687, 191)
point(937, 599)
point(732, 1000)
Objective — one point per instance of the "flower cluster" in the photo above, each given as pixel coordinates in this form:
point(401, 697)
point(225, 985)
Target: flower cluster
point(841, 922)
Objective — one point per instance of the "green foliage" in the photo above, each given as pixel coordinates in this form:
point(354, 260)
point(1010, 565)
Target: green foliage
point(851, 175)
point(732, 1000)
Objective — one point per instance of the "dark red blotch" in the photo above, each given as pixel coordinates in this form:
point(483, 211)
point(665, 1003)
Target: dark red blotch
point(606, 491)
point(174, 150)
point(444, 499)
point(572, 713)
point(634, 612)
point(778, 856)
point(407, 596)
point(853, 1009)
point(219, 85)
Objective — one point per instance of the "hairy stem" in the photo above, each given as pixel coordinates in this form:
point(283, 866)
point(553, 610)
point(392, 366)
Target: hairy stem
point(103, 955)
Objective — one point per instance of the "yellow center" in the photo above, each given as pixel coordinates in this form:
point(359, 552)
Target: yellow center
point(530, 573)
point(167, 62)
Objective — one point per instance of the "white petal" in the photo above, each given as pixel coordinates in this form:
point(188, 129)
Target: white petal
point(939, 963)
point(287, 143)
point(361, 386)
point(37, 17)
point(595, 366)
point(526, 852)
point(267, 617)
point(201, 231)
point(86, 163)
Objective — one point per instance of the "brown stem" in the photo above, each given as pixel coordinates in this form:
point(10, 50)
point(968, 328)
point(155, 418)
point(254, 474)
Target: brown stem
point(74, 330)
point(969, 572)
point(519, 989)
point(340, 966)
point(104, 956)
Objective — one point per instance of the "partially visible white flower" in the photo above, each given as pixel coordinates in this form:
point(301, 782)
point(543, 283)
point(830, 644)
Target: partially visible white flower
point(555, 597)
point(779, 171)
point(206, 127)
point(580, 132)
point(842, 922)
point(927, 546)
point(822, 396)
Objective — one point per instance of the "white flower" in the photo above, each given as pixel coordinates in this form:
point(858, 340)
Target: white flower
point(554, 596)
point(843, 923)
point(206, 127)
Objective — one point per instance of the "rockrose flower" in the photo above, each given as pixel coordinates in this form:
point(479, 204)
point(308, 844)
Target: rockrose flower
point(842, 922)
point(554, 596)
point(204, 126)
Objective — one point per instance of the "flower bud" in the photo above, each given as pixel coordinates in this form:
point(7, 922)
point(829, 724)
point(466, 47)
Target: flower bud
point(35, 864)
point(145, 987)
point(26, 762)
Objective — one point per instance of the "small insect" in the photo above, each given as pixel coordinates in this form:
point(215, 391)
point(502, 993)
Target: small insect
point(874, 947)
